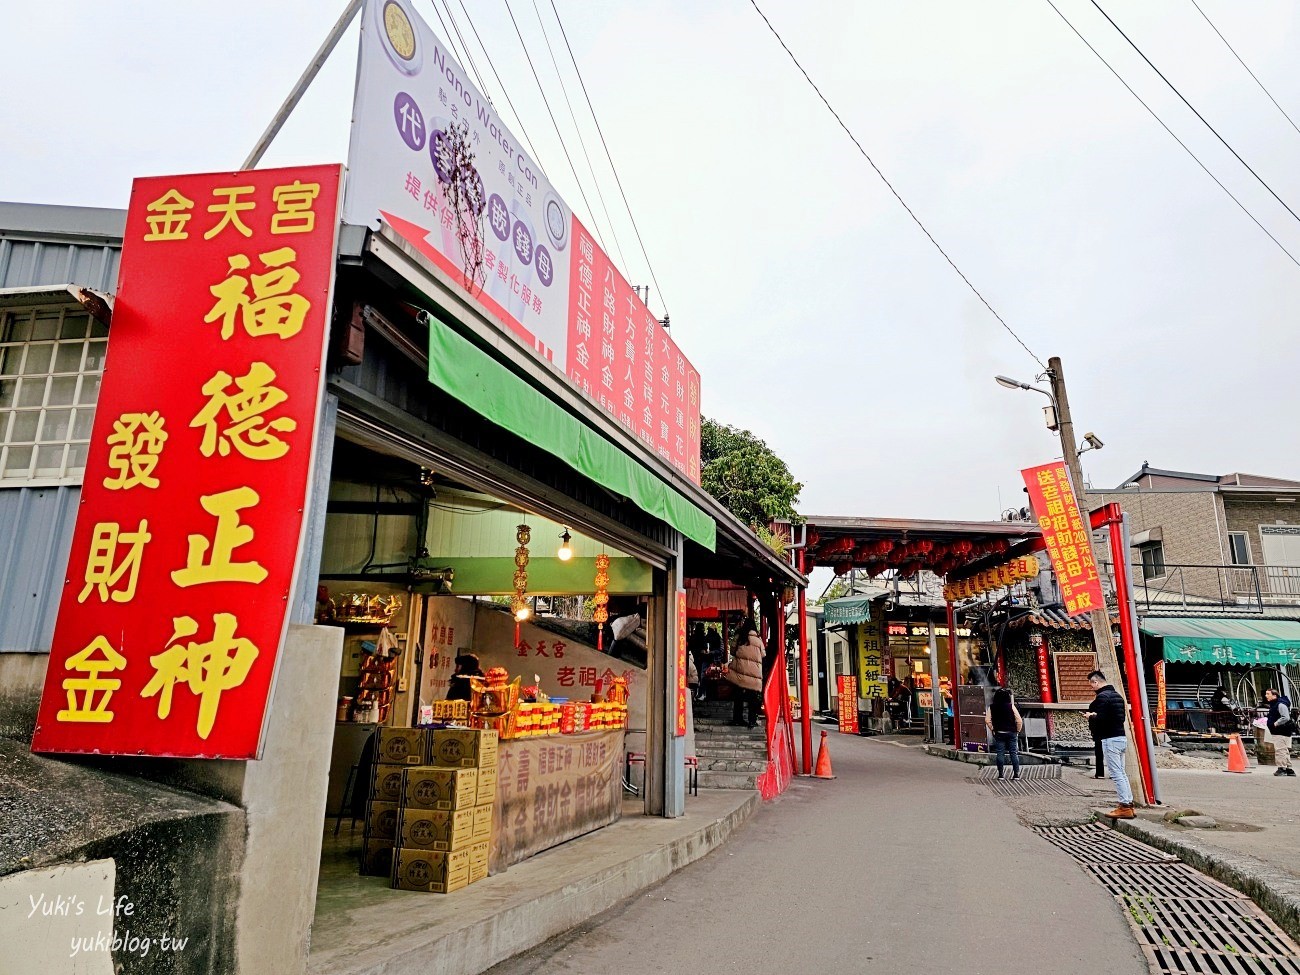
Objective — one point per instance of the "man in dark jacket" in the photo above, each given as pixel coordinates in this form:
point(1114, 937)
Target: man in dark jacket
point(1106, 716)
point(1281, 726)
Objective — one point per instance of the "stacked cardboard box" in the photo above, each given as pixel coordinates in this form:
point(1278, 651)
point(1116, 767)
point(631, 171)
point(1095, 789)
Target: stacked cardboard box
point(396, 749)
point(444, 820)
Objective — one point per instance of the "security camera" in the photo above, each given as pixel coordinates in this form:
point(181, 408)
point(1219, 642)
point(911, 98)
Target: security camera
point(1093, 441)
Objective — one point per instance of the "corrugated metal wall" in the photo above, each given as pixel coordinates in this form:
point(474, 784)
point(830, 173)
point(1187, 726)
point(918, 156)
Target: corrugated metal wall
point(36, 523)
point(24, 263)
point(35, 536)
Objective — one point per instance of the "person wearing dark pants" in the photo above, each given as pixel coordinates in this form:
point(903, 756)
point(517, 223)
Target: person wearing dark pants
point(1004, 721)
point(1281, 726)
point(1098, 761)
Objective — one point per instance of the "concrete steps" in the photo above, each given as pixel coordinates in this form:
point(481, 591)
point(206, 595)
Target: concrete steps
point(730, 757)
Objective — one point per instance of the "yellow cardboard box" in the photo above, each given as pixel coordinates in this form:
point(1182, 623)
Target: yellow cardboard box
point(486, 790)
point(478, 860)
point(428, 787)
point(386, 782)
point(462, 748)
point(435, 829)
point(430, 870)
point(400, 746)
point(381, 821)
point(482, 822)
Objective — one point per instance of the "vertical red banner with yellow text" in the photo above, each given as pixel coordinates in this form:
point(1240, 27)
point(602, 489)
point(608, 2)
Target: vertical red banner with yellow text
point(183, 558)
point(682, 697)
point(1066, 534)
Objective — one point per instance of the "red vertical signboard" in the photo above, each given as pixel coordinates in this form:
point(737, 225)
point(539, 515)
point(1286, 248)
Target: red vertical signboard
point(848, 688)
point(682, 696)
point(1066, 534)
point(184, 553)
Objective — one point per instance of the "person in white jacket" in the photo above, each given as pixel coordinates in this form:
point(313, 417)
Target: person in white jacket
point(746, 672)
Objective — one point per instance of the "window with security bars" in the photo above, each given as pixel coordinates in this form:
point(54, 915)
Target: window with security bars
point(50, 364)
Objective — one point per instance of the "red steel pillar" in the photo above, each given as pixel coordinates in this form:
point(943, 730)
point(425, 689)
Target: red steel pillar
point(1113, 516)
point(805, 713)
point(953, 679)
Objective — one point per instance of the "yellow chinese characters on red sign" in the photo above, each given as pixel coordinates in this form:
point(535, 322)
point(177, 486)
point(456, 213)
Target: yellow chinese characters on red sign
point(1066, 535)
point(184, 554)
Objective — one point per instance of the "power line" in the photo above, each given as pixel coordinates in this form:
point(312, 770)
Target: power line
point(884, 179)
point(451, 38)
point(547, 102)
point(469, 56)
point(1244, 65)
point(627, 206)
point(1195, 112)
point(581, 141)
point(1173, 135)
point(519, 119)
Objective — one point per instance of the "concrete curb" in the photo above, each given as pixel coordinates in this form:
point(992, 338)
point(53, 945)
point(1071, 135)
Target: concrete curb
point(489, 927)
point(1274, 890)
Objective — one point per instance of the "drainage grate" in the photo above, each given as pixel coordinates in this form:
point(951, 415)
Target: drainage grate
point(1094, 843)
point(1204, 926)
point(1186, 923)
point(1027, 787)
point(1171, 961)
point(1026, 772)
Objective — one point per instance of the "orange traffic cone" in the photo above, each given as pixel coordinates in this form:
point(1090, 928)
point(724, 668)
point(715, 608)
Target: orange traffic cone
point(823, 761)
point(1237, 755)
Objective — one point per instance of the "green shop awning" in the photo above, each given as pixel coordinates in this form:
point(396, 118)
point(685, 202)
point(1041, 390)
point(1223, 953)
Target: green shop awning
point(460, 368)
point(846, 609)
point(1211, 641)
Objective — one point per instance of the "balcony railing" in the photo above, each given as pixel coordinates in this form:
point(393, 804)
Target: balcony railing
point(1242, 588)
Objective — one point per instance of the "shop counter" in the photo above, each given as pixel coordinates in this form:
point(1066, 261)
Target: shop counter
point(552, 788)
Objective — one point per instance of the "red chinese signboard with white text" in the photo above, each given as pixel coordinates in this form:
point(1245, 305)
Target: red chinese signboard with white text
point(1066, 535)
point(848, 700)
point(184, 553)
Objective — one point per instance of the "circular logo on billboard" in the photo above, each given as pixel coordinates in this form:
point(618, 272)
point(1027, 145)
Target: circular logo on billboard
point(398, 36)
point(556, 220)
point(545, 269)
point(523, 242)
point(410, 121)
point(498, 217)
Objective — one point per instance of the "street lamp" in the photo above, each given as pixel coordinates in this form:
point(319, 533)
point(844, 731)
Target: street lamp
point(1050, 413)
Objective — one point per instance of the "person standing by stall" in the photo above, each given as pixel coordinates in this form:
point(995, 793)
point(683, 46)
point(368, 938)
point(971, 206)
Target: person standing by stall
point(1107, 713)
point(460, 688)
point(746, 673)
point(697, 649)
point(1003, 720)
point(1281, 726)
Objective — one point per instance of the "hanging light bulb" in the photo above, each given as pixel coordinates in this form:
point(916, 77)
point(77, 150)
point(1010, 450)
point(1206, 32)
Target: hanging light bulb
point(566, 550)
point(519, 602)
point(523, 612)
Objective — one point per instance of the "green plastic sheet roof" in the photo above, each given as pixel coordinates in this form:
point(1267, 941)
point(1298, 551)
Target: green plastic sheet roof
point(1227, 641)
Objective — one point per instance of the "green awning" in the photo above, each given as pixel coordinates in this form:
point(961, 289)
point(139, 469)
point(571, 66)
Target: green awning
point(846, 609)
point(460, 368)
point(1228, 641)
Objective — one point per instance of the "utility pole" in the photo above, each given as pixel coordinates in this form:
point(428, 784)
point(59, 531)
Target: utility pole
point(1103, 637)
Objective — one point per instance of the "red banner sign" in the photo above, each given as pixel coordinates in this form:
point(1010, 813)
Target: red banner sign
point(1044, 675)
point(1066, 533)
point(184, 552)
point(848, 687)
point(1162, 694)
point(682, 696)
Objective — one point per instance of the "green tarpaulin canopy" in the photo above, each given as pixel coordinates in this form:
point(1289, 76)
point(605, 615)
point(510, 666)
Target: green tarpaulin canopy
point(490, 389)
point(1211, 641)
point(846, 609)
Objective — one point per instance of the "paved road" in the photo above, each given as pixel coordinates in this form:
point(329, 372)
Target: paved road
point(897, 866)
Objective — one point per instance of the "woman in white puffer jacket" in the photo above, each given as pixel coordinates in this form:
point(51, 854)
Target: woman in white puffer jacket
point(745, 671)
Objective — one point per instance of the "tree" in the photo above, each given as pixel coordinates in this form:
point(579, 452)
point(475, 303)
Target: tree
point(744, 474)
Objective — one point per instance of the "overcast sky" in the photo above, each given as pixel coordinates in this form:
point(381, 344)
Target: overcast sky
point(818, 314)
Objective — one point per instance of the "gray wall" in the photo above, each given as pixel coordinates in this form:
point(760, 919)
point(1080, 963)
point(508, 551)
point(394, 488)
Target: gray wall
point(35, 536)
